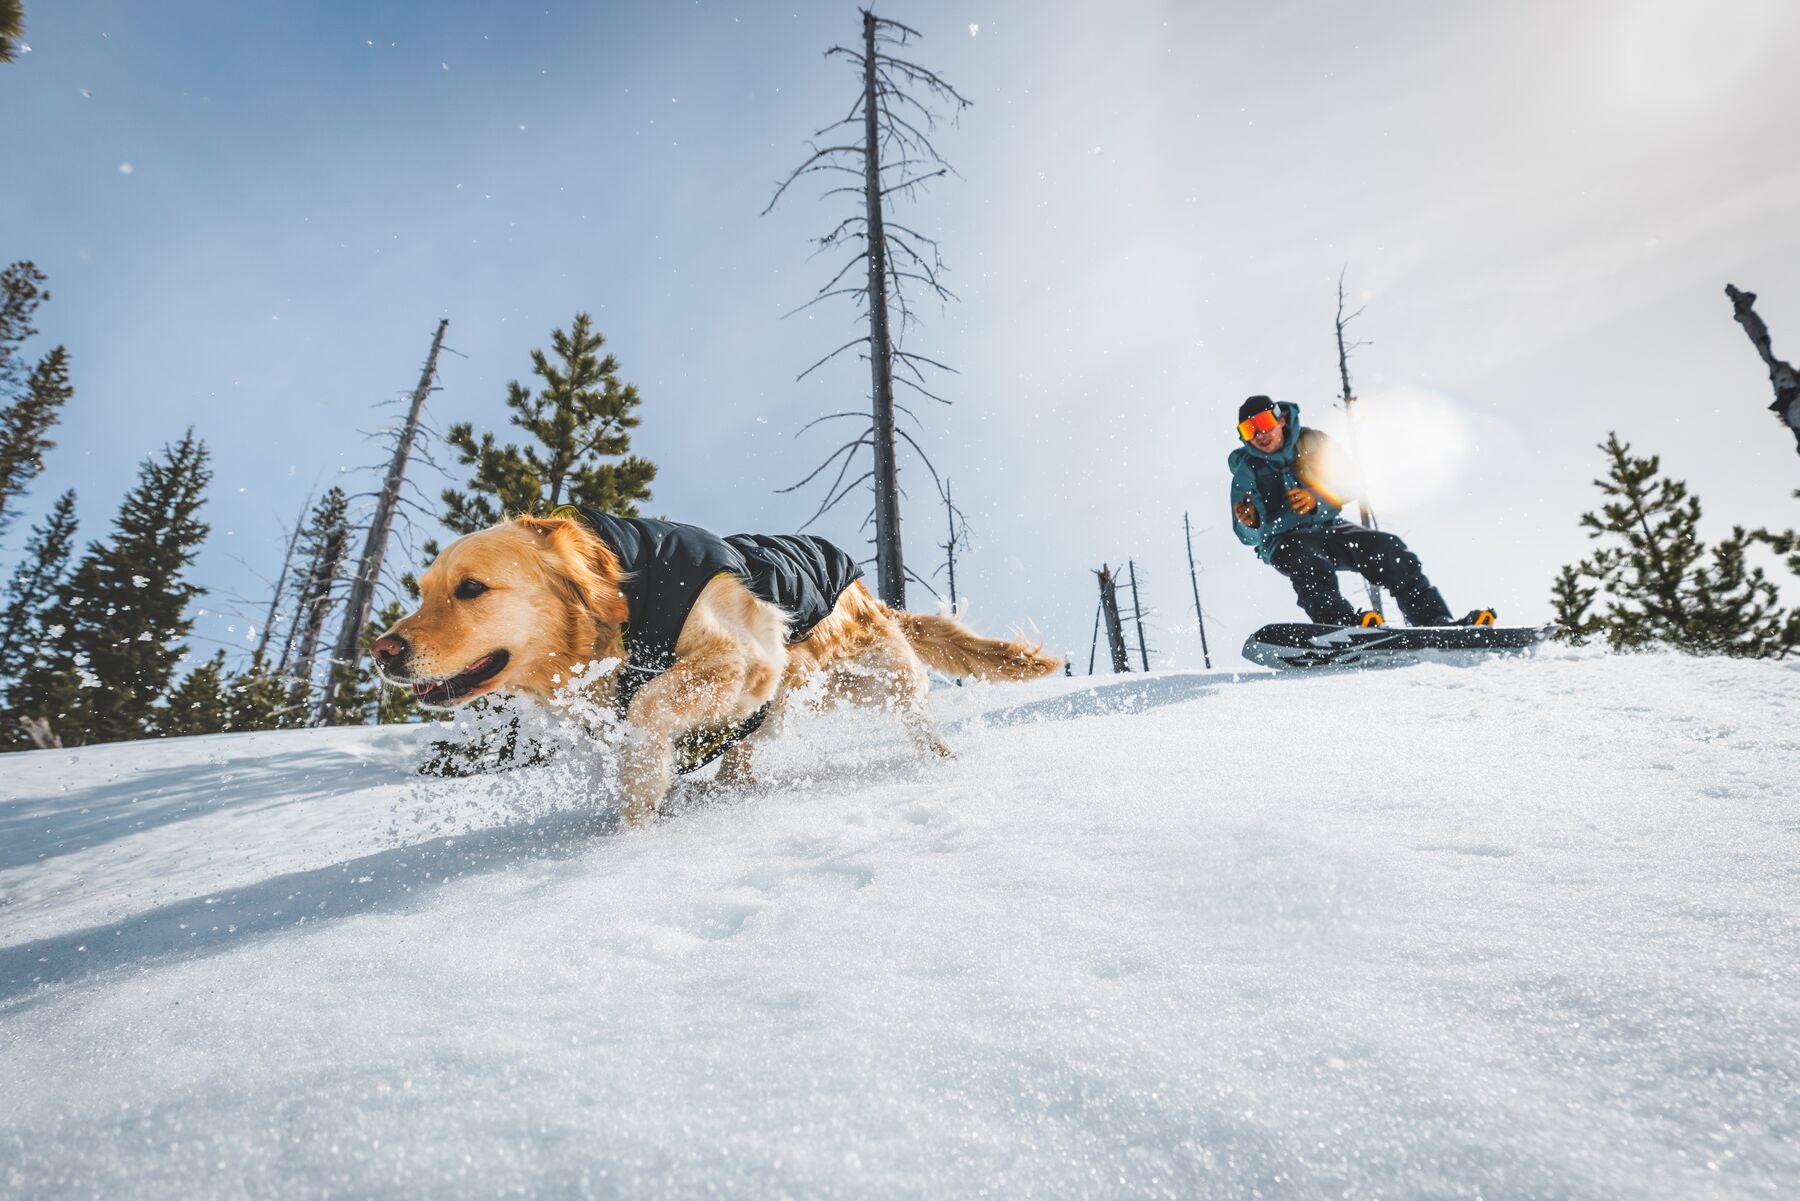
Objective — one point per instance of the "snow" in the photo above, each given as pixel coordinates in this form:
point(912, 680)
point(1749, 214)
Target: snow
point(1528, 929)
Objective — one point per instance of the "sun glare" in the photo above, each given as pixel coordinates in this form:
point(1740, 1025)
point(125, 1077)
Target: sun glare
point(1412, 443)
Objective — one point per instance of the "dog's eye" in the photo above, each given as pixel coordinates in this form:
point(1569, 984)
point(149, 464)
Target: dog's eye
point(470, 589)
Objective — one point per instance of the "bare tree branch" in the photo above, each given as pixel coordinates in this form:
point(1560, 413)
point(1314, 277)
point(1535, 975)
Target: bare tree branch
point(832, 503)
point(922, 390)
point(806, 167)
point(827, 417)
point(848, 446)
point(834, 354)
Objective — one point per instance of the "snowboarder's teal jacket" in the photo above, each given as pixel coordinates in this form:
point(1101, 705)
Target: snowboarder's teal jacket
point(1307, 459)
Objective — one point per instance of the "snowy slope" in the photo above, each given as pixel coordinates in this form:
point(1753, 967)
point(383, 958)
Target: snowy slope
point(1523, 930)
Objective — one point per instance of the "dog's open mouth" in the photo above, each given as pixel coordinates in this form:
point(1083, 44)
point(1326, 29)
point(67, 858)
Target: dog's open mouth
point(454, 688)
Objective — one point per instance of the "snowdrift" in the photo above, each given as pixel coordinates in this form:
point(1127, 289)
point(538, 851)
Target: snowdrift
point(1527, 929)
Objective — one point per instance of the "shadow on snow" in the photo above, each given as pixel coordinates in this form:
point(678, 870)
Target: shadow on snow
point(39, 829)
point(386, 881)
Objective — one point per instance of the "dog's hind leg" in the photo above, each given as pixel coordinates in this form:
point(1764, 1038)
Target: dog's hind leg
point(735, 765)
point(907, 685)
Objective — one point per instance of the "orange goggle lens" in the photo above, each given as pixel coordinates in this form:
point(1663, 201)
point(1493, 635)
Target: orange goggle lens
point(1261, 423)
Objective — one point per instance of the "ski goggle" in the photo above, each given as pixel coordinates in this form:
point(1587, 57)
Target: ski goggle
point(1260, 423)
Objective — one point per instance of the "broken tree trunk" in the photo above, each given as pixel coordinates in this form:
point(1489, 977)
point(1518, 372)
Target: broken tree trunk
point(1781, 373)
point(1115, 628)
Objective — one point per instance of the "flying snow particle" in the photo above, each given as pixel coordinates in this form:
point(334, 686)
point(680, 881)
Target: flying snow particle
point(974, 29)
point(138, 581)
point(87, 93)
point(446, 66)
point(126, 168)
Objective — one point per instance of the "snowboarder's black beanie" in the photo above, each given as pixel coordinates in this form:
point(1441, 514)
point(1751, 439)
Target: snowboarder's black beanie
point(1253, 406)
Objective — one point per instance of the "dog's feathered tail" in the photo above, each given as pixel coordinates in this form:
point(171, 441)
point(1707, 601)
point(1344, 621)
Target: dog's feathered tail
point(949, 646)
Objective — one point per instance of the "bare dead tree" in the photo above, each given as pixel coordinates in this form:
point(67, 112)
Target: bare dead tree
point(898, 108)
point(1348, 400)
point(314, 604)
point(958, 537)
point(287, 566)
point(1137, 612)
point(1094, 645)
point(1187, 533)
point(361, 601)
point(1781, 373)
point(1115, 628)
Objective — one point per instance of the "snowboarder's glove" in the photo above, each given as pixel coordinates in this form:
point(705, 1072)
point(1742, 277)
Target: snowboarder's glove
point(1301, 501)
point(1245, 512)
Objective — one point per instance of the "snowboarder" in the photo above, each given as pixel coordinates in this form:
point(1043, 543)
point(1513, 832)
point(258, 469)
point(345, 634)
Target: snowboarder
point(1288, 486)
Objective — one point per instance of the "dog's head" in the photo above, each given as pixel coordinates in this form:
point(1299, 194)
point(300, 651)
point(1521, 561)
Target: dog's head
point(508, 609)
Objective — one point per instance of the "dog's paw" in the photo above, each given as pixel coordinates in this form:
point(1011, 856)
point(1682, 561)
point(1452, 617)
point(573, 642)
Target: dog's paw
point(638, 813)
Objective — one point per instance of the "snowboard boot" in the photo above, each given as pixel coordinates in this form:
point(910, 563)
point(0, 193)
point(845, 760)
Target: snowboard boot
point(1477, 617)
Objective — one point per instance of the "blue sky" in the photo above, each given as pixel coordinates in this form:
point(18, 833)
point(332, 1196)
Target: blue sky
point(1539, 205)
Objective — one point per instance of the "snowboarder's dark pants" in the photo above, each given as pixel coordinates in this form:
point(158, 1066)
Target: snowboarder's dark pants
point(1312, 559)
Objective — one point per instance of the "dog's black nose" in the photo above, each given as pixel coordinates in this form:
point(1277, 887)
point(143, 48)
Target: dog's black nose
point(389, 651)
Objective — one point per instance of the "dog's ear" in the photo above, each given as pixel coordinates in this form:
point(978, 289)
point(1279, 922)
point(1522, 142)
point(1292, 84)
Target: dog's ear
point(583, 565)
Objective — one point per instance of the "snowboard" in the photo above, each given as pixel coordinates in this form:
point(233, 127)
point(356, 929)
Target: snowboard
point(1299, 645)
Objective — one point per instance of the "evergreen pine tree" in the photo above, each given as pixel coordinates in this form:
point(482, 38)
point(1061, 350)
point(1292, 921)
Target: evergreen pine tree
point(25, 425)
point(12, 28)
point(1783, 542)
point(198, 704)
point(34, 584)
point(257, 699)
point(1657, 523)
point(351, 698)
point(581, 415)
point(32, 400)
point(21, 292)
point(1660, 582)
point(117, 623)
point(359, 691)
point(1734, 608)
point(393, 706)
point(1573, 604)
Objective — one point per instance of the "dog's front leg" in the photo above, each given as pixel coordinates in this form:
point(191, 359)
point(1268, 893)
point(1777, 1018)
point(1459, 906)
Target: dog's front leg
point(646, 769)
point(698, 691)
point(735, 766)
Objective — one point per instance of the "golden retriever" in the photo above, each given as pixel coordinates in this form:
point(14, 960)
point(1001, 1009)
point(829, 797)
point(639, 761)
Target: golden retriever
point(524, 606)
